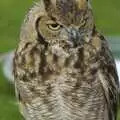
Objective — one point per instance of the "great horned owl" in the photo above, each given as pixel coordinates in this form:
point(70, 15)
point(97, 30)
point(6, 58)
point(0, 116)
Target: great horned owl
point(63, 67)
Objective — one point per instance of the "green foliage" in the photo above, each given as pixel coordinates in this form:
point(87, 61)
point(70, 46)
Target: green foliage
point(12, 13)
point(107, 16)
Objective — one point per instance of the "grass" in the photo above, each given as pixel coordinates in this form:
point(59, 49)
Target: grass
point(12, 13)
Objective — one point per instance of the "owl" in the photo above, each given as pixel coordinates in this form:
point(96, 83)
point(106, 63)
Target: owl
point(63, 67)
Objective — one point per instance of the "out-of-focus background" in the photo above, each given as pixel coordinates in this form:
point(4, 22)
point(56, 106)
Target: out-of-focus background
point(12, 12)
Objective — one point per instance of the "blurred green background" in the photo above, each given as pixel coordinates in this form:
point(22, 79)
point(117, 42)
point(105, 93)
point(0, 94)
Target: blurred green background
point(12, 12)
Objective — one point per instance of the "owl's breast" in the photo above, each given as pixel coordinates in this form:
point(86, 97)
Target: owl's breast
point(68, 96)
point(58, 85)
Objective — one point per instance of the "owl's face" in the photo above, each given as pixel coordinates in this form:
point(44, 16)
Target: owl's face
point(64, 22)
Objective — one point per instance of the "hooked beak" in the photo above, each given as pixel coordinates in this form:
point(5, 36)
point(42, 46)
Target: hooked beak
point(74, 36)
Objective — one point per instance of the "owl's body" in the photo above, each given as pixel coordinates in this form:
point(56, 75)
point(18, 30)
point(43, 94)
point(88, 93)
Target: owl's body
point(64, 71)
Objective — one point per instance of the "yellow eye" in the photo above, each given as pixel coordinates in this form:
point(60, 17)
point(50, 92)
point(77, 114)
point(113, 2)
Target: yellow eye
point(54, 26)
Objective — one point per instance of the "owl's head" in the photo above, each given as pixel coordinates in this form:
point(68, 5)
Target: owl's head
point(64, 22)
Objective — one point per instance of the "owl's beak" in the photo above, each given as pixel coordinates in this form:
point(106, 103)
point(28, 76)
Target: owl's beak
point(74, 35)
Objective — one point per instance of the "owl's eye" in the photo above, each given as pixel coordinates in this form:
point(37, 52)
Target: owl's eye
point(54, 26)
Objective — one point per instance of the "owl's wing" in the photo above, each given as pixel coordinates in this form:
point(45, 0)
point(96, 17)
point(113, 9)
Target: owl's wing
point(109, 79)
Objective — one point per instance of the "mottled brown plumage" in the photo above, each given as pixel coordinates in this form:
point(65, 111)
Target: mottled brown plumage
point(63, 67)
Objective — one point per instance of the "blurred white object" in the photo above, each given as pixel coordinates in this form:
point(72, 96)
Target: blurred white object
point(118, 67)
point(7, 62)
point(8, 66)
